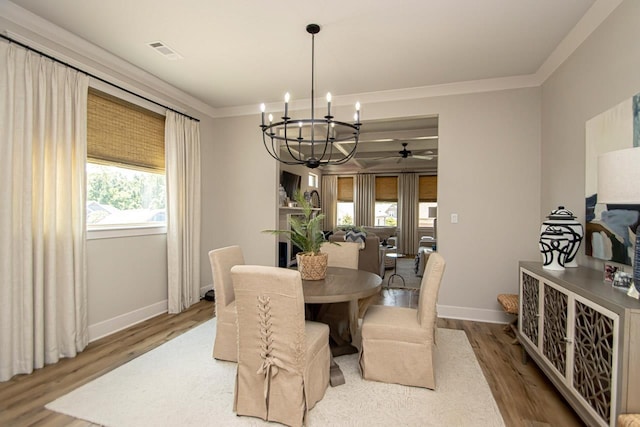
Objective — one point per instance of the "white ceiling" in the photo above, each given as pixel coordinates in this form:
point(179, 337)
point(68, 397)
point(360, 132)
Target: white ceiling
point(243, 52)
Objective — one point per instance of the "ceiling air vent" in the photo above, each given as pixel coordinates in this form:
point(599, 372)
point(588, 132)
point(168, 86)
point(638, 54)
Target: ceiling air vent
point(164, 50)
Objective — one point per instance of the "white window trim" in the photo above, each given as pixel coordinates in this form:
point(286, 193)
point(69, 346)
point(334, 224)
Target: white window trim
point(112, 232)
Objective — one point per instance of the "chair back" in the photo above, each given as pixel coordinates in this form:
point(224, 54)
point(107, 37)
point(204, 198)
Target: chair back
point(221, 262)
point(343, 254)
point(429, 288)
point(271, 339)
point(369, 258)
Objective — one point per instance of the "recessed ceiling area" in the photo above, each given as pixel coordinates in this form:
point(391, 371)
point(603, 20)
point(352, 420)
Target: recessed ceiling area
point(381, 149)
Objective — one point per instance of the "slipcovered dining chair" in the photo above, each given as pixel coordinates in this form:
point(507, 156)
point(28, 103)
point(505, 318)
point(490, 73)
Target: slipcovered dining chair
point(343, 254)
point(225, 346)
point(398, 342)
point(336, 315)
point(283, 360)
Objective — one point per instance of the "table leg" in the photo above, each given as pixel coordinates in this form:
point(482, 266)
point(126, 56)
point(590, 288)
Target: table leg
point(354, 330)
point(336, 377)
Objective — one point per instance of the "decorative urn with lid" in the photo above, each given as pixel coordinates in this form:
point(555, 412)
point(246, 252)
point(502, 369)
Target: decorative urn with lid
point(566, 233)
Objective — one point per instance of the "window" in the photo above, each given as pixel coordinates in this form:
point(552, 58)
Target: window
point(313, 180)
point(427, 213)
point(125, 164)
point(428, 200)
point(119, 196)
point(345, 208)
point(386, 201)
point(345, 213)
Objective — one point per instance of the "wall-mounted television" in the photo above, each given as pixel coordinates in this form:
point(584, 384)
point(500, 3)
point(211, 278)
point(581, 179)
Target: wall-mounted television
point(291, 183)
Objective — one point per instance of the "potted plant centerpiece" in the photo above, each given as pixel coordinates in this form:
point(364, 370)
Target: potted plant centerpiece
point(306, 233)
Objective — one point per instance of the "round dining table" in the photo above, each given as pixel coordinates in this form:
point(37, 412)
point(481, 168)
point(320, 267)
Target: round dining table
point(341, 284)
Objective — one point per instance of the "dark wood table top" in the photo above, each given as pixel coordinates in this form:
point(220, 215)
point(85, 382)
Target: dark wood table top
point(341, 284)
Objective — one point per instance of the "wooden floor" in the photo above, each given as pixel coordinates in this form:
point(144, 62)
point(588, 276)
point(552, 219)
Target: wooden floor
point(523, 394)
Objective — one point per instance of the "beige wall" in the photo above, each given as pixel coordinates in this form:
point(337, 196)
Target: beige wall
point(506, 158)
point(489, 163)
point(125, 275)
point(241, 189)
point(127, 279)
point(602, 72)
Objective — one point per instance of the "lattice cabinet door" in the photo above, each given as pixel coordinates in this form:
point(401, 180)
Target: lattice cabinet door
point(555, 338)
point(529, 321)
point(595, 355)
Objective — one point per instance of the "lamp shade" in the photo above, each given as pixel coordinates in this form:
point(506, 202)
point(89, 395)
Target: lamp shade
point(619, 177)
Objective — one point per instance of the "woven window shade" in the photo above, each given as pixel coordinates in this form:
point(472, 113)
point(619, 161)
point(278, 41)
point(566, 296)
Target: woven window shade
point(345, 189)
point(428, 188)
point(123, 134)
point(386, 188)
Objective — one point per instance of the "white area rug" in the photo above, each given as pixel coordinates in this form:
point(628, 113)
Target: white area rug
point(180, 384)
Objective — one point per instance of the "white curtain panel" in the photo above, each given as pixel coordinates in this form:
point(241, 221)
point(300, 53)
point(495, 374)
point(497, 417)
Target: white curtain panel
point(182, 158)
point(329, 201)
point(43, 286)
point(365, 199)
point(408, 212)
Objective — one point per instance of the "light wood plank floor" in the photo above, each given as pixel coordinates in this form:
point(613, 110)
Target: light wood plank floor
point(523, 394)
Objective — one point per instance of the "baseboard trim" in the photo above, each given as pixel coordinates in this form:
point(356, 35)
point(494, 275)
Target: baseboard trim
point(204, 289)
point(474, 314)
point(118, 323)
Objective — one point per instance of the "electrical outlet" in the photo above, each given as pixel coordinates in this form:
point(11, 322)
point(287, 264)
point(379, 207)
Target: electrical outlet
point(454, 218)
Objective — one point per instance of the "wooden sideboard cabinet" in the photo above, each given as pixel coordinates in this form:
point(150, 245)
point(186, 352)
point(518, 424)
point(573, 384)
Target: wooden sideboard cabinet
point(585, 336)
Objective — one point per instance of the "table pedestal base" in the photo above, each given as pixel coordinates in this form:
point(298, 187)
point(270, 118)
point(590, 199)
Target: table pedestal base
point(336, 377)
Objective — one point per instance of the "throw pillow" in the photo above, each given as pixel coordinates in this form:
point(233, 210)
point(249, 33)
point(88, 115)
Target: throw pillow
point(356, 236)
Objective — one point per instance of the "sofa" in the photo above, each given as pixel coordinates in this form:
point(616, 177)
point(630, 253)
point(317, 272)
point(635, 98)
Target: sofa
point(371, 257)
point(383, 232)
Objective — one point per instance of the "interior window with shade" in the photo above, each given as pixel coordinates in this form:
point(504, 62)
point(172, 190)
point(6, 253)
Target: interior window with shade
point(125, 164)
point(428, 201)
point(386, 207)
point(345, 206)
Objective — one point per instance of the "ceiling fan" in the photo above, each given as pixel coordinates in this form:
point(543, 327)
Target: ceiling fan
point(404, 153)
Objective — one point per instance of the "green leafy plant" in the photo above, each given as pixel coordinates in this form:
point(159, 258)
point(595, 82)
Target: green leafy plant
point(306, 230)
point(351, 227)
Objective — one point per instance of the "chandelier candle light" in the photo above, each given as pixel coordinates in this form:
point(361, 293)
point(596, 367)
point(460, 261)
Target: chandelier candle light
point(318, 141)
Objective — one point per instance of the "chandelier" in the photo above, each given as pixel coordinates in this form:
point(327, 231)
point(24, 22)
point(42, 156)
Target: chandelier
point(312, 141)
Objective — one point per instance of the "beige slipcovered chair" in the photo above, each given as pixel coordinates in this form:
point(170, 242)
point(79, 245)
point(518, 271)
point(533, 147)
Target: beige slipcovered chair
point(398, 342)
point(336, 315)
point(343, 254)
point(371, 258)
point(225, 346)
point(283, 360)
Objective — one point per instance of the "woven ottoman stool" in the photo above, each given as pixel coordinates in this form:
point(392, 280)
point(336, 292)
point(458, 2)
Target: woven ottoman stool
point(509, 303)
point(629, 420)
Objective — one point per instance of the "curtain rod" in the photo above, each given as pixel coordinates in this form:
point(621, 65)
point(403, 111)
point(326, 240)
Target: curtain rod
point(93, 75)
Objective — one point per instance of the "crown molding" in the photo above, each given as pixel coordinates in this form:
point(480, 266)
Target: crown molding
point(598, 12)
point(458, 88)
point(591, 20)
point(77, 51)
point(43, 35)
